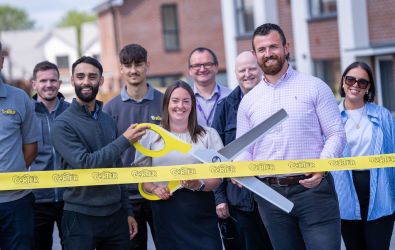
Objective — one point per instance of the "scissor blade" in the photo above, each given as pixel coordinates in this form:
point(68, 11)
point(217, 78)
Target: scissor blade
point(265, 192)
point(251, 183)
point(233, 149)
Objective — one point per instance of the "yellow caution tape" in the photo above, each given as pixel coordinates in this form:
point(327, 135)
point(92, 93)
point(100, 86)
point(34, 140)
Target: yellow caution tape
point(107, 176)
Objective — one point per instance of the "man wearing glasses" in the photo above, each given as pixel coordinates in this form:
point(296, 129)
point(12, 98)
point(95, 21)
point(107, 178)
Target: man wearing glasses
point(203, 67)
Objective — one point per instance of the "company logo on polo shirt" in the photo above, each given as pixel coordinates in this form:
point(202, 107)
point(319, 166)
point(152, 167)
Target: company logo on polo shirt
point(65, 177)
point(25, 179)
point(8, 111)
point(144, 173)
point(183, 171)
point(156, 118)
point(222, 169)
point(104, 175)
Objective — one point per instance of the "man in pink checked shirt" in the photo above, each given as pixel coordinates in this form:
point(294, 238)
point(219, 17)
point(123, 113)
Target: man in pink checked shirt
point(312, 130)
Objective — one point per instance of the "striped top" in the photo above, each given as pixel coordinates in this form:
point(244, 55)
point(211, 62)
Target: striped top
point(382, 181)
point(312, 130)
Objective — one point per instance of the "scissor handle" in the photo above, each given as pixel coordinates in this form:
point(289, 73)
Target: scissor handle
point(172, 185)
point(170, 143)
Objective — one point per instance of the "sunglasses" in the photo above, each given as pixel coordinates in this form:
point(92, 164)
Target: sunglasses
point(350, 81)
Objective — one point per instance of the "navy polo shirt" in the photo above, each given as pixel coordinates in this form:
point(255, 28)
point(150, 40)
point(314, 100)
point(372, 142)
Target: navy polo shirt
point(18, 126)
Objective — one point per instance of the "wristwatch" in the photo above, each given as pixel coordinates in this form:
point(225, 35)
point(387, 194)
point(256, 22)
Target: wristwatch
point(202, 186)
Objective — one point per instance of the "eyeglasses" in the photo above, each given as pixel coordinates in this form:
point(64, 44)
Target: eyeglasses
point(350, 81)
point(197, 66)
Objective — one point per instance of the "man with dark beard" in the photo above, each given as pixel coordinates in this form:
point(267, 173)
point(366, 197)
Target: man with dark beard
point(96, 217)
point(312, 130)
point(49, 103)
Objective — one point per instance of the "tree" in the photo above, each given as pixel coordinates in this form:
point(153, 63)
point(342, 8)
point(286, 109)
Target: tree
point(76, 19)
point(12, 18)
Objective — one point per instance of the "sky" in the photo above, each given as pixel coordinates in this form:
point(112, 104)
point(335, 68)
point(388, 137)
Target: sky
point(47, 13)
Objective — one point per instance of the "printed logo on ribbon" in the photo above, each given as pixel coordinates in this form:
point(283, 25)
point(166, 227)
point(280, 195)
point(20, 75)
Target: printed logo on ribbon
point(182, 171)
point(25, 179)
point(65, 177)
point(382, 159)
point(262, 167)
point(104, 176)
point(144, 173)
point(301, 164)
point(222, 169)
point(342, 162)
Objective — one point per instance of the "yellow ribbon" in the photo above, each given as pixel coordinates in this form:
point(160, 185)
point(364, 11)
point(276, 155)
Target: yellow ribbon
point(107, 176)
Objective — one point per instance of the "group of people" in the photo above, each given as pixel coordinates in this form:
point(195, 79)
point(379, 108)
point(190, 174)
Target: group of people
point(51, 134)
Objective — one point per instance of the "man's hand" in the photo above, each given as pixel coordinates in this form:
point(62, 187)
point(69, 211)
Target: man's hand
point(222, 210)
point(133, 230)
point(134, 134)
point(313, 181)
point(162, 192)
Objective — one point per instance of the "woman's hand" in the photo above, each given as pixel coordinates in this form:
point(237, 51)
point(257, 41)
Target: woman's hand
point(162, 192)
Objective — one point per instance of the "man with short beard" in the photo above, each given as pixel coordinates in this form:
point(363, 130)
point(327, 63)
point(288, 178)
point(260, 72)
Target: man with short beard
point(312, 130)
point(49, 103)
point(95, 217)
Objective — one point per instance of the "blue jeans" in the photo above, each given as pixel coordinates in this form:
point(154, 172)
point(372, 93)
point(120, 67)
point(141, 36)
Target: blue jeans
point(16, 224)
point(314, 222)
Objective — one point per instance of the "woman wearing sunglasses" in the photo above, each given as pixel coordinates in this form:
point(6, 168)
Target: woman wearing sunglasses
point(366, 197)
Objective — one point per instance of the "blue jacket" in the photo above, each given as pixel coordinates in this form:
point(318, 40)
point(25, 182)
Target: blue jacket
point(382, 180)
point(225, 123)
point(47, 158)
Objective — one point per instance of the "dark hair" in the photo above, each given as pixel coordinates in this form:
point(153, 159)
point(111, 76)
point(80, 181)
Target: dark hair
point(43, 66)
point(88, 60)
point(202, 49)
point(193, 127)
point(265, 29)
point(369, 97)
point(132, 53)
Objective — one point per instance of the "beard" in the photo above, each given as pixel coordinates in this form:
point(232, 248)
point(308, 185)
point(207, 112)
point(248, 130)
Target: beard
point(86, 98)
point(272, 69)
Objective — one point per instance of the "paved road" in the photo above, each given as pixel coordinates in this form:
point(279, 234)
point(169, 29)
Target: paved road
point(151, 246)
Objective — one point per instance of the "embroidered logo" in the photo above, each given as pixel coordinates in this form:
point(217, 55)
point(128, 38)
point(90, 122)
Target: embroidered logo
point(8, 111)
point(156, 118)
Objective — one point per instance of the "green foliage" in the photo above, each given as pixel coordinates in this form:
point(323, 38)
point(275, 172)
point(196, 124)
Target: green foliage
point(12, 18)
point(76, 19)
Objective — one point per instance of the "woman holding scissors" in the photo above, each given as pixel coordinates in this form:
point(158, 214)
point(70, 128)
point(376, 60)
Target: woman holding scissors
point(366, 197)
point(185, 219)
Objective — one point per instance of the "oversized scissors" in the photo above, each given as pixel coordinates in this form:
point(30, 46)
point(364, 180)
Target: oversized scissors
point(226, 154)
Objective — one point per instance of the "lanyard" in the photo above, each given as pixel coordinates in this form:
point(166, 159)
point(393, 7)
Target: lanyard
point(207, 118)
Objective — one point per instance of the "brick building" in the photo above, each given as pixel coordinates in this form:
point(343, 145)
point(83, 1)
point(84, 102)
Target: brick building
point(324, 35)
point(168, 29)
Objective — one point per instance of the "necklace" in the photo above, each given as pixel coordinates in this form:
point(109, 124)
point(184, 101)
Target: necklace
point(357, 124)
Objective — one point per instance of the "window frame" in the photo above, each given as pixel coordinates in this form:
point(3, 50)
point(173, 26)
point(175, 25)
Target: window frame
point(240, 16)
point(170, 31)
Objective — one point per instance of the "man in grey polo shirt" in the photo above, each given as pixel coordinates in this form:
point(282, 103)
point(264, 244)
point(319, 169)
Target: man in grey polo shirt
point(18, 148)
point(138, 102)
point(203, 67)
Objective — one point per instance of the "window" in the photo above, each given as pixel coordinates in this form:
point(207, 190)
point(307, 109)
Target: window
point(244, 16)
point(387, 83)
point(162, 81)
point(329, 72)
point(322, 8)
point(62, 62)
point(170, 27)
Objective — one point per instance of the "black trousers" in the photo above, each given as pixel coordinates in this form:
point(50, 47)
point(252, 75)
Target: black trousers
point(143, 215)
point(363, 234)
point(45, 216)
